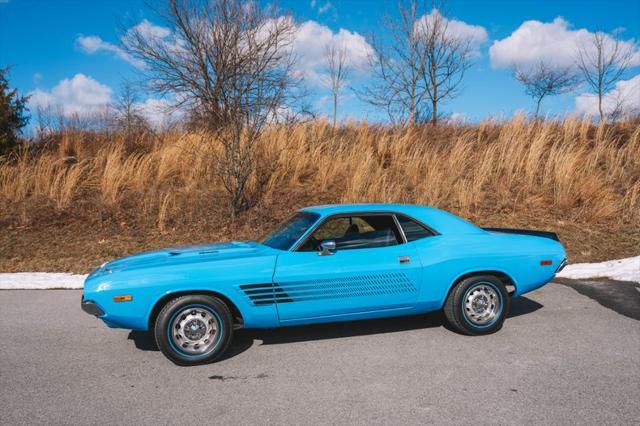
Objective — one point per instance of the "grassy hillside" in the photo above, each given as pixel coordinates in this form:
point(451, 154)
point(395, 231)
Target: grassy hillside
point(83, 198)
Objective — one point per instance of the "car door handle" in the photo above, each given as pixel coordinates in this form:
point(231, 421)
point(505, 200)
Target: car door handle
point(404, 260)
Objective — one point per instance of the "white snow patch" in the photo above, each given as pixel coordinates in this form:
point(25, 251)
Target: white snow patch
point(40, 280)
point(620, 270)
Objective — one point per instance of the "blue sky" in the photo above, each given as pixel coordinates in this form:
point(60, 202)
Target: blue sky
point(41, 40)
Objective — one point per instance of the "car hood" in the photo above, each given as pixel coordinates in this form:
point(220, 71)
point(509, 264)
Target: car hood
point(185, 255)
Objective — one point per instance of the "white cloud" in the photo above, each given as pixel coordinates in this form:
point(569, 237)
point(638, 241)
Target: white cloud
point(93, 44)
point(555, 43)
point(158, 113)
point(625, 96)
point(322, 9)
point(149, 30)
point(475, 34)
point(325, 8)
point(458, 118)
point(78, 95)
point(310, 44)
point(84, 96)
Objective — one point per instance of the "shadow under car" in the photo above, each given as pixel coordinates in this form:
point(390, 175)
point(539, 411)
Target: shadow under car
point(243, 339)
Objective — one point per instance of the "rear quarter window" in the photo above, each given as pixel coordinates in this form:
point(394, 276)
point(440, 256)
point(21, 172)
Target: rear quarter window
point(413, 230)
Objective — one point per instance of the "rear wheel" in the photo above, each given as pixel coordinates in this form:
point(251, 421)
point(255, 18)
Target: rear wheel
point(194, 329)
point(477, 305)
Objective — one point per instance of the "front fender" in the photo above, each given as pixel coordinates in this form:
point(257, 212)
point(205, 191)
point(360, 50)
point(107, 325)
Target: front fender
point(261, 316)
point(147, 287)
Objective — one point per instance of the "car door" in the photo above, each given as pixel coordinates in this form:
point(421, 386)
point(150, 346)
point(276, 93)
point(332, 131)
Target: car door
point(371, 269)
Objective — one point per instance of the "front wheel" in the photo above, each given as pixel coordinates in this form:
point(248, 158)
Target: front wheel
point(477, 305)
point(194, 329)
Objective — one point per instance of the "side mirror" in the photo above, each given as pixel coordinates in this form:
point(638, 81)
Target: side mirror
point(327, 247)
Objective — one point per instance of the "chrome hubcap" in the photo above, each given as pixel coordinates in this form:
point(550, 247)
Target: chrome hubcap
point(482, 304)
point(194, 330)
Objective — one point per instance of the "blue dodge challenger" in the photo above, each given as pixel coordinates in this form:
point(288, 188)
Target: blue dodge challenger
point(324, 264)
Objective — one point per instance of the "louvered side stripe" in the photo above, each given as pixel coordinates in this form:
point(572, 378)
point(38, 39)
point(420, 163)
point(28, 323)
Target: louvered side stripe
point(251, 286)
point(305, 290)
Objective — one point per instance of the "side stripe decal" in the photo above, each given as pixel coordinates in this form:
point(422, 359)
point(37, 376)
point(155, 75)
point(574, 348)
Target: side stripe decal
point(329, 288)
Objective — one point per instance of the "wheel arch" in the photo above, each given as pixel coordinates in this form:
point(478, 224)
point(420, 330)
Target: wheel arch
point(238, 319)
point(505, 278)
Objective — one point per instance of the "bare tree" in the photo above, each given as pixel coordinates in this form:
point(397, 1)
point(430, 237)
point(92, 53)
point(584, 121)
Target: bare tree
point(128, 113)
point(422, 66)
point(541, 81)
point(54, 118)
point(336, 58)
point(621, 103)
point(230, 62)
point(603, 61)
point(446, 57)
point(397, 68)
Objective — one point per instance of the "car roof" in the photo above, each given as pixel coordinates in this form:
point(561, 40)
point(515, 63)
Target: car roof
point(439, 220)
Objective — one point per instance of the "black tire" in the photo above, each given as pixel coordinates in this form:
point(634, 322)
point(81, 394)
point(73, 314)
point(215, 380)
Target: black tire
point(206, 306)
point(460, 316)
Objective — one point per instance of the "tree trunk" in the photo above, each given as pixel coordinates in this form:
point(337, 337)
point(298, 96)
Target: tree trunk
point(434, 112)
point(335, 108)
point(538, 107)
point(600, 90)
point(412, 112)
point(600, 105)
point(434, 99)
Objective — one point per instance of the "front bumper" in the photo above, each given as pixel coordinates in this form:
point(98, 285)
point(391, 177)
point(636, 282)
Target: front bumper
point(91, 308)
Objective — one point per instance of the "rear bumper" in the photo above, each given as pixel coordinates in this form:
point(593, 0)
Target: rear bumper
point(562, 265)
point(91, 308)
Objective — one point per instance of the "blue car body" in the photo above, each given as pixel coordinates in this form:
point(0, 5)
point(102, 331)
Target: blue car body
point(268, 287)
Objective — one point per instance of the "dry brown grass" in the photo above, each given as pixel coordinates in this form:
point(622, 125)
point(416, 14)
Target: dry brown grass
point(567, 172)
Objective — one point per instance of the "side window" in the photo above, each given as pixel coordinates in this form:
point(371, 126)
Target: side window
point(412, 229)
point(332, 229)
point(355, 232)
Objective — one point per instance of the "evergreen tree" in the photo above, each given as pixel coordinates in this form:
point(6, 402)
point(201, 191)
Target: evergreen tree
point(13, 113)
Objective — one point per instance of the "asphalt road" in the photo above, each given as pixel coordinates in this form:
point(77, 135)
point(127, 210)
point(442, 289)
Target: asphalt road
point(562, 357)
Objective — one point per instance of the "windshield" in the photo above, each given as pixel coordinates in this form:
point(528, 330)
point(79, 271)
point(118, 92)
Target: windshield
point(290, 231)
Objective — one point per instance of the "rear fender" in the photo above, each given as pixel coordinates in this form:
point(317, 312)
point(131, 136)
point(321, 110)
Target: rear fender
point(501, 274)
